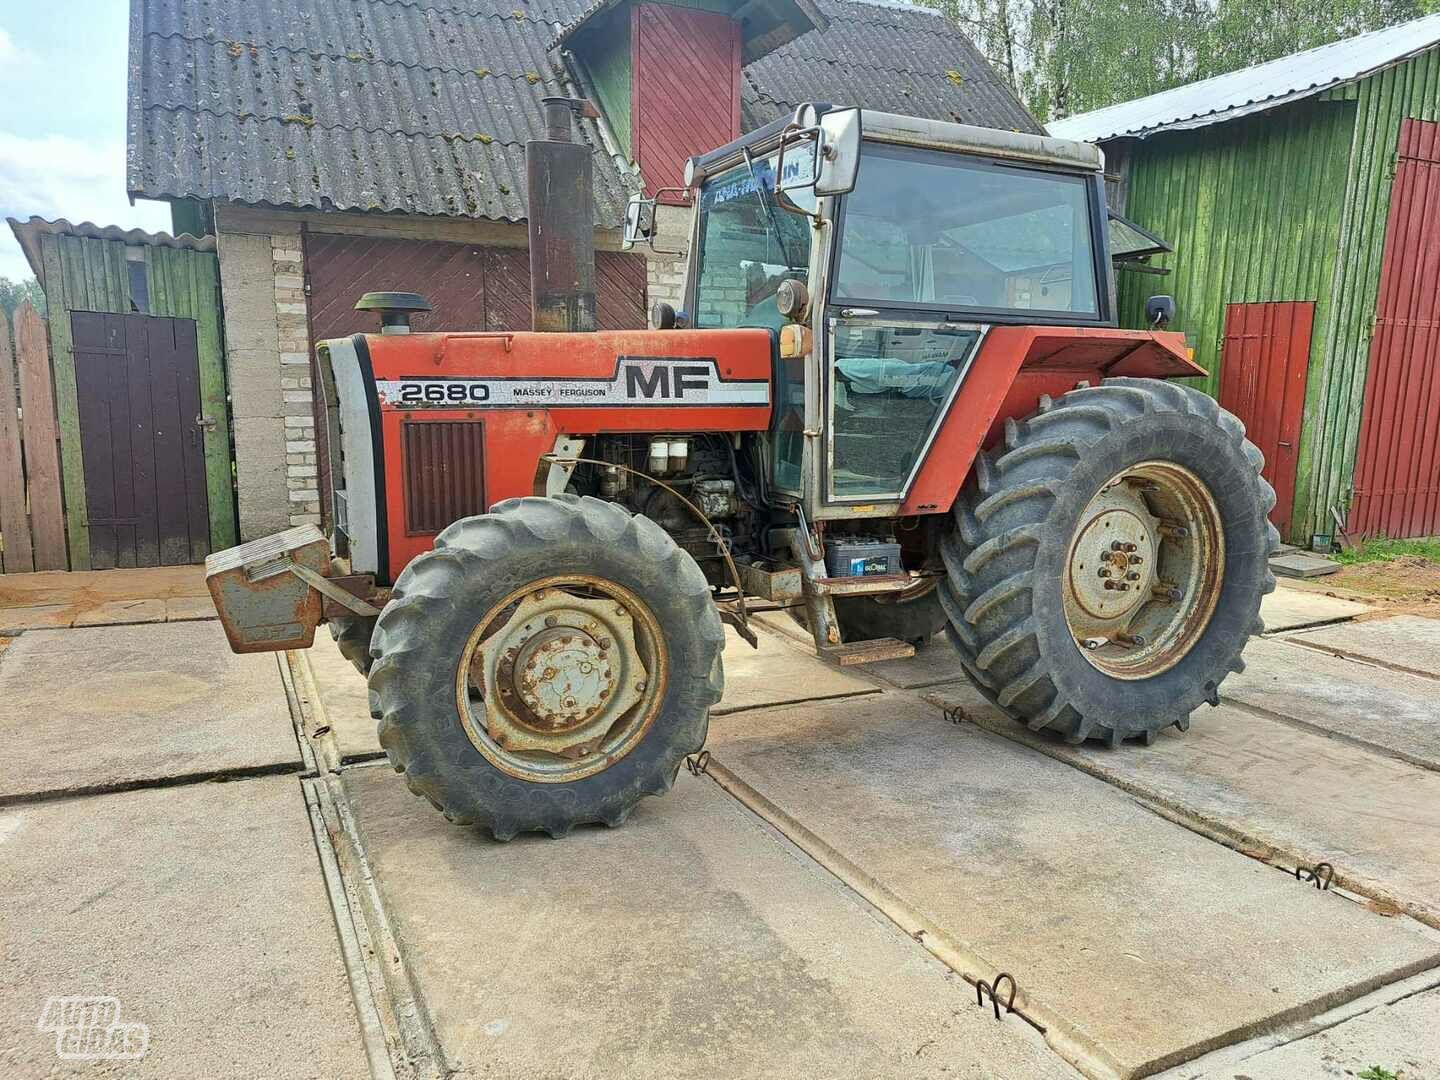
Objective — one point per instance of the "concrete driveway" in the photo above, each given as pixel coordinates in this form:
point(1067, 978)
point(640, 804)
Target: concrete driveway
point(214, 843)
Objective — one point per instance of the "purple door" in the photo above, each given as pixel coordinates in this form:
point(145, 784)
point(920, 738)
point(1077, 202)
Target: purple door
point(137, 378)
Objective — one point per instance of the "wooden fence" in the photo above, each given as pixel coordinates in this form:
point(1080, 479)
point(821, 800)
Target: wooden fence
point(32, 521)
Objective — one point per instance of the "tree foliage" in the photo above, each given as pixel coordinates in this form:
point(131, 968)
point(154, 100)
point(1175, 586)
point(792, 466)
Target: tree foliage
point(1064, 57)
point(13, 293)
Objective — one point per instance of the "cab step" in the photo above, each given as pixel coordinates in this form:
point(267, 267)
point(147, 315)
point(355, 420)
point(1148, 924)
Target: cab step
point(868, 652)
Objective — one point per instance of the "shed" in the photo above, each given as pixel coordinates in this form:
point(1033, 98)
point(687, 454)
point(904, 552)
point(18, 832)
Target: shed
point(1302, 198)
point(140, 392)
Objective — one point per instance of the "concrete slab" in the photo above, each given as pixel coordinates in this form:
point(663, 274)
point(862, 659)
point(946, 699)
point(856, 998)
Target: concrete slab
point(934, 662)
point(690, 943)
point(200, 908)
point(75, 593)
point(1389, 710)
point(1408, 641)
point(185, 608)
point(1302, 564)
point(1154, 943)
point(94, 708)
point(41, 617)
point(1270, 785)
point(345, 697)
point(121, 613)
point(779, 673)
point(1286, 609)
point(1402, 1039)
point(780, 621)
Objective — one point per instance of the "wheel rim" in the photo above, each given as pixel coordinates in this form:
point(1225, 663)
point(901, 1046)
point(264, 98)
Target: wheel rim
point(1144, 572)
point(562, 678)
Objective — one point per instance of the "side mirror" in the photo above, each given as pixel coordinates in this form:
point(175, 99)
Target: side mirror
point(839, 152)
point(1159, 311)
point(825, 154)
point(639, 221)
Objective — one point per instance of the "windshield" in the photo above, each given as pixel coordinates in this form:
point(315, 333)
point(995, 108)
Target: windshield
point(931, 228)
point(748, 245)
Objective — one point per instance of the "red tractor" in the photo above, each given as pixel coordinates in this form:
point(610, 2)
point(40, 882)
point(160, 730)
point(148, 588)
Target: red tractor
point(895, 398)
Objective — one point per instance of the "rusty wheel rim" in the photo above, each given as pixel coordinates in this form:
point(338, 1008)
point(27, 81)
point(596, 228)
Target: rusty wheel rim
point(562, 678)
point(1144, 571)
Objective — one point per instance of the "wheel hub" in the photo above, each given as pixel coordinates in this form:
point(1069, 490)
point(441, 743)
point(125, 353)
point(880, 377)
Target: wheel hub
point(1145, 569)
point(1112, 564)
point(562, 677)
point(559, 673)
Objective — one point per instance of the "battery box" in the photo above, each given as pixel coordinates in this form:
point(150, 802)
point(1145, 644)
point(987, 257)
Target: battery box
point(857, 556)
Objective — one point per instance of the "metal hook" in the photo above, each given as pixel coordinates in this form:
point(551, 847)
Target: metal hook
point(1322, 874)
point(982, 988)
point(954, 713)
point(697, 764)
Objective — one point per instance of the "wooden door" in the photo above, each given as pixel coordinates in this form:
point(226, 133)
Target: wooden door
point(1397, 467)
point(1263, 363)
point(142, 439)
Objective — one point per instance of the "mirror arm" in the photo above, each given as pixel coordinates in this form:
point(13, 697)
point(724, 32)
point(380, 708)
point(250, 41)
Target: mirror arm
point(782, 198)
point(654, 205)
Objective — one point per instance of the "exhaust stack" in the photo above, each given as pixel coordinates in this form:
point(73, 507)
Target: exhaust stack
point(562, 222)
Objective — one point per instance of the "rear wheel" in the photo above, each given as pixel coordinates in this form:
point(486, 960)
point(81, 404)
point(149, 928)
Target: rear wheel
point(352, 636)
point(1108, 559)
point(915, 615)
point(547, 665)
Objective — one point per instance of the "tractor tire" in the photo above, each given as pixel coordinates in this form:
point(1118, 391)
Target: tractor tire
point(1036, 588)
point(599, 560)
point(352, 634)
point(916, 618)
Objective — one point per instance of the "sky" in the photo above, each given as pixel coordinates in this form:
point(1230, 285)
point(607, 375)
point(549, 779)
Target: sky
point(62, 119)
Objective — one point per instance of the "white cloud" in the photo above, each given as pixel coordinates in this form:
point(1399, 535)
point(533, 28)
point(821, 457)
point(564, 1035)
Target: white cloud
point(56, 176)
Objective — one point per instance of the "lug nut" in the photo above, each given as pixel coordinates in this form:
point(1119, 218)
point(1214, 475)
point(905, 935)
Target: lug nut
point(1136, 560)
point(1132, 576)
point(1129, 547)
point(1102, 572)
point(1116, 545)
point(1118, 586)
point(1167, 592)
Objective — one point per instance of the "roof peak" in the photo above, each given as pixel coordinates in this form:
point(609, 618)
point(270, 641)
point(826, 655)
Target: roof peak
point(1258, 87)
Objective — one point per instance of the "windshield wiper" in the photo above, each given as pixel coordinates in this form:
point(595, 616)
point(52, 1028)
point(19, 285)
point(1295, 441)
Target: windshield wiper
point(763, 196)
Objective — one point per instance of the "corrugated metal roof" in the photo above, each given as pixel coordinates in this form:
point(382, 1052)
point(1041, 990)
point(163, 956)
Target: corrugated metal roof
point(28, 233)
point(424, 106)
point(1254, 89)
point(417, 107)
point(891, 57)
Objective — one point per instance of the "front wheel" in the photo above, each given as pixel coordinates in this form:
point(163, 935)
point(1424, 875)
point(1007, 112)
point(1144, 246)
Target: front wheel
point(1107, 561)
point(548, 664)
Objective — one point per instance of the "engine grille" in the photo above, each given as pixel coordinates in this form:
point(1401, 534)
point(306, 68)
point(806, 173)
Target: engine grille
point(444, 463)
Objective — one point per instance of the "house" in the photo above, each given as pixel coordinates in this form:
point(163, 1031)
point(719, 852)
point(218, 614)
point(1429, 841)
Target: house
point(1302, 199)
point(336, 148)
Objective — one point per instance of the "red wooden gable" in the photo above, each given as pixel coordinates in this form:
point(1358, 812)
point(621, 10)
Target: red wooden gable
point(685, 89)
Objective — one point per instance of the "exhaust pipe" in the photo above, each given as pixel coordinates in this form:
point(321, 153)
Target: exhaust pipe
point(562, 222)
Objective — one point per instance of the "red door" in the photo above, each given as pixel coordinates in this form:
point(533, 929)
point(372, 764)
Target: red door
point(684, 89)
point(1397, 467)
point(1263, 363)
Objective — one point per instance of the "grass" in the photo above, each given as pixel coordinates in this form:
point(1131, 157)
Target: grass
point(1375, 1072)
point(1380, 550)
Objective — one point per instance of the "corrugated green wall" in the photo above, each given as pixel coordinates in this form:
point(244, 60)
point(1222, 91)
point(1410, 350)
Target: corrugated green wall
point(1290, 205)
point(605, 51)
point(91, 274)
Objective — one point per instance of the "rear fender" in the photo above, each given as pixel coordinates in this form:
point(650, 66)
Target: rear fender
point(1015, 366)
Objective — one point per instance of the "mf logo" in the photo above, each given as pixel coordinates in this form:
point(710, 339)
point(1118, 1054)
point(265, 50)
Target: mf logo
point(648, 379)
point(89, 1028)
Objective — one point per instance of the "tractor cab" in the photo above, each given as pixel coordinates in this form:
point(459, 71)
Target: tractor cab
point(881, 250)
